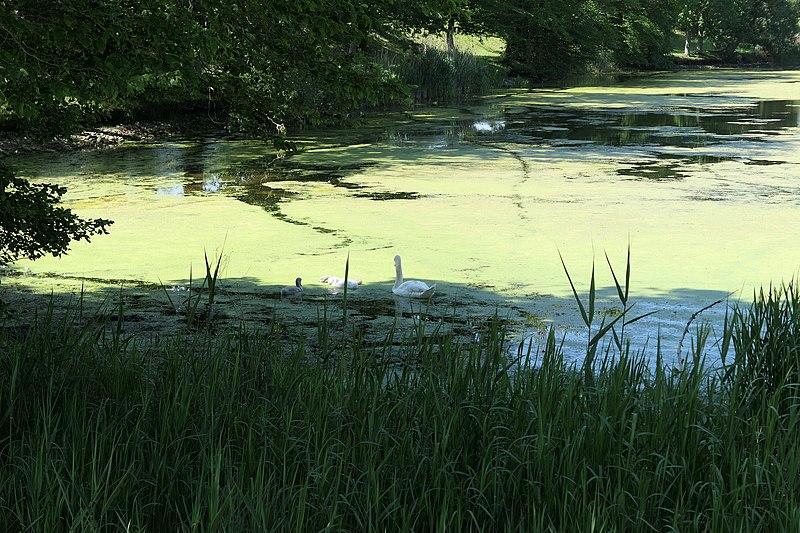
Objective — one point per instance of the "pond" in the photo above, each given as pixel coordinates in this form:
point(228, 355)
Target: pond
point(697, 171)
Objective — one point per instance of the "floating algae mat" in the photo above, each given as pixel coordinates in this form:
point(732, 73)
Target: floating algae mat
point(698, 171)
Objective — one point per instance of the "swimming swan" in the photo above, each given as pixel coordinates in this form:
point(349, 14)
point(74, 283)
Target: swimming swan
point(338, 282)
point(412, 288)
point(295, 292)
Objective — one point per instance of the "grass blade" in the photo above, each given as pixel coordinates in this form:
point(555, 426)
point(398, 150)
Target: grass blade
point(622, 294)
point(344, 298)
point(586, 319)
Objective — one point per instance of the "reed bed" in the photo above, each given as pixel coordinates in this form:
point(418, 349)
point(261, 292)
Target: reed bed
point(251, 432)
point(437, 76)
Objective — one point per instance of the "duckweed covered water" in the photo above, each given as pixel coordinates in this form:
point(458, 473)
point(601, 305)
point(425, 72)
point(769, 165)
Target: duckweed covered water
point(699, 171)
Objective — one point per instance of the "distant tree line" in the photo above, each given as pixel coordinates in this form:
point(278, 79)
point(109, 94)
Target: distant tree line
point(267, 63)
point(771, 26)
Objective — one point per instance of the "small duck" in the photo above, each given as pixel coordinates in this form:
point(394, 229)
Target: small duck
point(337, 282)
point(411, 288)
point(295, 292)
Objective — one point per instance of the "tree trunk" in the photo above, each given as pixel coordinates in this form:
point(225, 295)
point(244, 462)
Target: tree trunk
point(699, 49)
point(451, 32)
point(687, 46)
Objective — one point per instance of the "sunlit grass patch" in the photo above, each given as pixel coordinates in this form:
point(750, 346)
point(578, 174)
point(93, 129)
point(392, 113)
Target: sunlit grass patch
point(488, 47)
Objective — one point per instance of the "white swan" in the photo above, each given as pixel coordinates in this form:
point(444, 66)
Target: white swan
point(411, 288)
point(338, 282)
point(293, 292)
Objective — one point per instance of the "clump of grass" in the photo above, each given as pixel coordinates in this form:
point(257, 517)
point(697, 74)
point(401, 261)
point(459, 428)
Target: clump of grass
point(438, 77)
point(588, 315)
point(764, 339)
point(191, 304)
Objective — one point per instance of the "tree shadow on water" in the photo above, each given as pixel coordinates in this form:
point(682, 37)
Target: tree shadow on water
point(148, 311)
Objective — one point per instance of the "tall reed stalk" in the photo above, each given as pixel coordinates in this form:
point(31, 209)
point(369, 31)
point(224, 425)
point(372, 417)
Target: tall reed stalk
point(588, 315)
point(344, 298)
point(190, 304)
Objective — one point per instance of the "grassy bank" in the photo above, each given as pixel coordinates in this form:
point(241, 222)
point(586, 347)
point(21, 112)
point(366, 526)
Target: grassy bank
point(249, 432)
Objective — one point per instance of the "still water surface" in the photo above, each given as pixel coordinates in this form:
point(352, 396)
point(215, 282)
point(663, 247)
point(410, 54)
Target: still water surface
point(698, 171)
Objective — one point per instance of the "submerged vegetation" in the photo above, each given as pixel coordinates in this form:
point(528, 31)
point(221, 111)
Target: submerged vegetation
point(249, 431)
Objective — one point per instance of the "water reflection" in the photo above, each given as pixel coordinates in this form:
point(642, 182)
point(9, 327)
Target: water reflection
point(212, 184)
point(483, 126)
point(171, 190)
point(658, 135)
point(684, 127)
point(409, 307)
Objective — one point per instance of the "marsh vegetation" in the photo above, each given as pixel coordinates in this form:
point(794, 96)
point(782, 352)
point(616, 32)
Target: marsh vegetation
point(254, 431)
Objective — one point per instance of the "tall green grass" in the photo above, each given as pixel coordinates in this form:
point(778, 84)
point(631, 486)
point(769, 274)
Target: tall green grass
point(761, 347)
point(190, 305)
point(251, 432)
point(438, 77)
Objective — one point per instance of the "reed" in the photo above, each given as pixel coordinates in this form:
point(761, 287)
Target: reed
point(344, 297)
point(252, 432)
point(438, 77)
point(190, 306)
point(760, 347)
point(587, 311)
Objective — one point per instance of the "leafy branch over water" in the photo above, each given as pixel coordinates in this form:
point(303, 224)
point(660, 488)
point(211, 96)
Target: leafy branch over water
point(33, 225)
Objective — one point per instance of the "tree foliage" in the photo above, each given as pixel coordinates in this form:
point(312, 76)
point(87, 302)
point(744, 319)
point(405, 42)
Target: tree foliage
point(33, 225)
point(65, 61)
point(267, 63)
point(769, 25)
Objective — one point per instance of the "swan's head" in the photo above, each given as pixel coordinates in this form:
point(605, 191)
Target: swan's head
point(396, 261)
point(298, 282)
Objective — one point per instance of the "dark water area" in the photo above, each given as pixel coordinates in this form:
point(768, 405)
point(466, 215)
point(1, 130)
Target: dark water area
point(692, 128)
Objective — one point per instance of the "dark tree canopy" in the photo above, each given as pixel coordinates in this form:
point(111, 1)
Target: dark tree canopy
point(267, 63)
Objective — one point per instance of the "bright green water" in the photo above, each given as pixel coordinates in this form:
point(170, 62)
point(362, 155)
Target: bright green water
point(699, 171)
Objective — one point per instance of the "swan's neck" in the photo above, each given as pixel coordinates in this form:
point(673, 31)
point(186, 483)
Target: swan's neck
point(399, 271)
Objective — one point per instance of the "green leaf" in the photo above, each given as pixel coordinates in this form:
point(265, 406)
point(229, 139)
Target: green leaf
point(586, 318)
